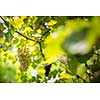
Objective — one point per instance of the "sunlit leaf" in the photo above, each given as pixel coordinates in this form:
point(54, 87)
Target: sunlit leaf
point(39, 31)
point(41, 70)
point(65, 76)
point(52, 22)
point(15, 41)
point(50, 60)
point(16, 22)
point(53, 43)
point(81, 70)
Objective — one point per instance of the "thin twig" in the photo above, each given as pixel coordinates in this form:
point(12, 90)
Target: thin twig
point(4, 20)
point(26, 37)
point(41, 50)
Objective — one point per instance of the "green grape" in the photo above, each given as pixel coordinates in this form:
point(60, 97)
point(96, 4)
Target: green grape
point(96, 51)
point(95, 57)
point(89, 62)
point(93, 64)
point(24, 58)
point(99, 51)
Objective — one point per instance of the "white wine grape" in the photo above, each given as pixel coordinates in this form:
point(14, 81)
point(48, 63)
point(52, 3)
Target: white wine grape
point(24, 58)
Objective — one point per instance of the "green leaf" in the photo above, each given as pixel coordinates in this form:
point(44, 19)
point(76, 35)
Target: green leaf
point(1, 27)
point(65, 76)
point(8, 36)
point(15, 41)
point(52, 22)
point(81, 70)
point(72, 64)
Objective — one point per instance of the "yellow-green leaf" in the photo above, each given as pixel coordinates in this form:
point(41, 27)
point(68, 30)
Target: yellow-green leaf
point(41, 70)
point(54, 41)
point(16, 22)
point(39, 31)
point(65, 76)
point(52, 22)
point(50, 60)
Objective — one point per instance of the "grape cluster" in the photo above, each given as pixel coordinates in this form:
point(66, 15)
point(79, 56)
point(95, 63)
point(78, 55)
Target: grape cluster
point(24, 58)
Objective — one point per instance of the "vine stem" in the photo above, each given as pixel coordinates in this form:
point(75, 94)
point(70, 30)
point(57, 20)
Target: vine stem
point(4, 20)
point(41, 50)
point(26, 37)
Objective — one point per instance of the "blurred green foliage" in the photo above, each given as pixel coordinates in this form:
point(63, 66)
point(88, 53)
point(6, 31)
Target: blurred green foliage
point(46, 49)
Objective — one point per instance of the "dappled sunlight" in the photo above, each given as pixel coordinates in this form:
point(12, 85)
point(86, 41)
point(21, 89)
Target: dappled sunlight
point(49, 49)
